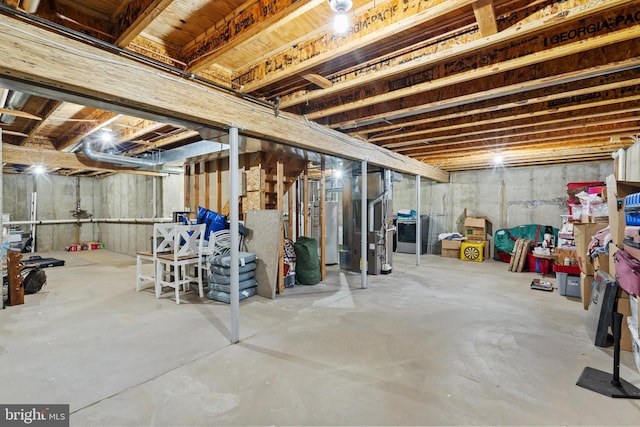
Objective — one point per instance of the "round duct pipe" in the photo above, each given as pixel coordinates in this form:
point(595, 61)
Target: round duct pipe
point(115, 159)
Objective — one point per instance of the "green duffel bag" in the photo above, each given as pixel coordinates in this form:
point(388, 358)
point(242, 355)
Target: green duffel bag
point(307, 261)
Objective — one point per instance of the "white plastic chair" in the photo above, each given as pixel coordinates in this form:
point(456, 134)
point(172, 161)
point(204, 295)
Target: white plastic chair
point(173, 269)
point(220, 242)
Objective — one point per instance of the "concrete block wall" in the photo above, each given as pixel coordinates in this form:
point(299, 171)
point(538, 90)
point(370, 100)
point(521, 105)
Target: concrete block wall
point(508, 197)
point(136, 196)
point(56, 199)
point(115, 197)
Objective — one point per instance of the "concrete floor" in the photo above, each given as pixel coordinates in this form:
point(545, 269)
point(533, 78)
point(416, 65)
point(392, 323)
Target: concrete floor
point(446, 343)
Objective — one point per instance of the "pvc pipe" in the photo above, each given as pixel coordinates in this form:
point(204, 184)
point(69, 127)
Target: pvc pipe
point(363, 224)
point(234, 193)
point(372, 205)
point(418, 222)
point(96, 220)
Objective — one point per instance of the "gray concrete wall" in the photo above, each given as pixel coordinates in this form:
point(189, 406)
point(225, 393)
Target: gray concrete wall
point(508, 197)
point(132, 196)
point(116, 197)
point(56, 199)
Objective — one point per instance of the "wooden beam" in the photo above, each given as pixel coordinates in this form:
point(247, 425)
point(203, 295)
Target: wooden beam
point(218, 185)
point(81, 130)
point(318, 80)
point(162, 142)
point(13, 132)
point(280, 207)
point(486, 17)
point(19, 113)
point(305, 201)
point(433, 54)
point(49, 63)
point(483, 72)
point(133, 17)
point(240, 26)
point(327, 46)
point(532, 132)
point(506, 90)
point(490, 113)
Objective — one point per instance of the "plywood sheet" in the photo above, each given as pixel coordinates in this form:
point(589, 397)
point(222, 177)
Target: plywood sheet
point(264, 229)
point(252, 200)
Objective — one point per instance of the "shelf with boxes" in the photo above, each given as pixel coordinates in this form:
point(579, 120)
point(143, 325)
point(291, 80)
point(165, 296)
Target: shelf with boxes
point(624, 250)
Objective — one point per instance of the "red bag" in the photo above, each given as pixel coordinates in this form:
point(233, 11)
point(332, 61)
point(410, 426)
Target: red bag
point(627, 271)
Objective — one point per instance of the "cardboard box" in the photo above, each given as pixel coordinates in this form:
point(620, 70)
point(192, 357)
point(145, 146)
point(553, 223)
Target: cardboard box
point(451, 248)
point(624, 307)
point(617, 190)
point(477, 228)
point(586, 286)
point(582, 234)
point(592, 218)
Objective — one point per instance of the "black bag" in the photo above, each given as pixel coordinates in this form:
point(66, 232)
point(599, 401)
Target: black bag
point(34, 279)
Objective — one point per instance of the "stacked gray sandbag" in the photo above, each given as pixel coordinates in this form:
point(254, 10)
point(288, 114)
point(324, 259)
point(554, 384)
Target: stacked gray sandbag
point(219, 287)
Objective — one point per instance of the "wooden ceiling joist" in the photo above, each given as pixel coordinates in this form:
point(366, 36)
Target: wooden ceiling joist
point(132, 19)
point(486, 17)
point(482, 72)
point(431, 55)
point(407, 13)
point(129, 87)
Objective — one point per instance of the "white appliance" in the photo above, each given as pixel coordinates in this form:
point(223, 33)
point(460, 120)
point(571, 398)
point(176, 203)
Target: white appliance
point(332, 253)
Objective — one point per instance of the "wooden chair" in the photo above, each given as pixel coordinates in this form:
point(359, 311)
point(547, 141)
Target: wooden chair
point(162, 242)
point(173, 269)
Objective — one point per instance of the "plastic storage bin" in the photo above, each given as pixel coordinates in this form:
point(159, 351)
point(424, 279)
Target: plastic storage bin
point(632, 209)
point(568, 285)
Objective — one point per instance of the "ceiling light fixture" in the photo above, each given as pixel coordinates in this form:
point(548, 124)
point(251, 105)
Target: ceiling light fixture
point(39, 170)
point(341, 21)
point(106, 136)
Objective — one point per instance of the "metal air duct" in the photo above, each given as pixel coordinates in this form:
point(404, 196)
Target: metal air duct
point(16, 101)
point(157, 162)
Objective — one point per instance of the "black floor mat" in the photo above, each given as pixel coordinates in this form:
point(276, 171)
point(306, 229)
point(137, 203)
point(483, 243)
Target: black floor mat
point(42, 262)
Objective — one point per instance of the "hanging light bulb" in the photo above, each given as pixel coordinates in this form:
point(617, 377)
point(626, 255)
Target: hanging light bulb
point(341, 21)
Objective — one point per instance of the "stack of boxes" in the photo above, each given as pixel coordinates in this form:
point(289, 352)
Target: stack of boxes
point(476, 237)
point(478, 231)
point(583, 234)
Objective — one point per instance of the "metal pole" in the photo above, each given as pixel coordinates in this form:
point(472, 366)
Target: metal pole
point(418, 222)
point(363, 224)
point(1, 224)
point(235, 238)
